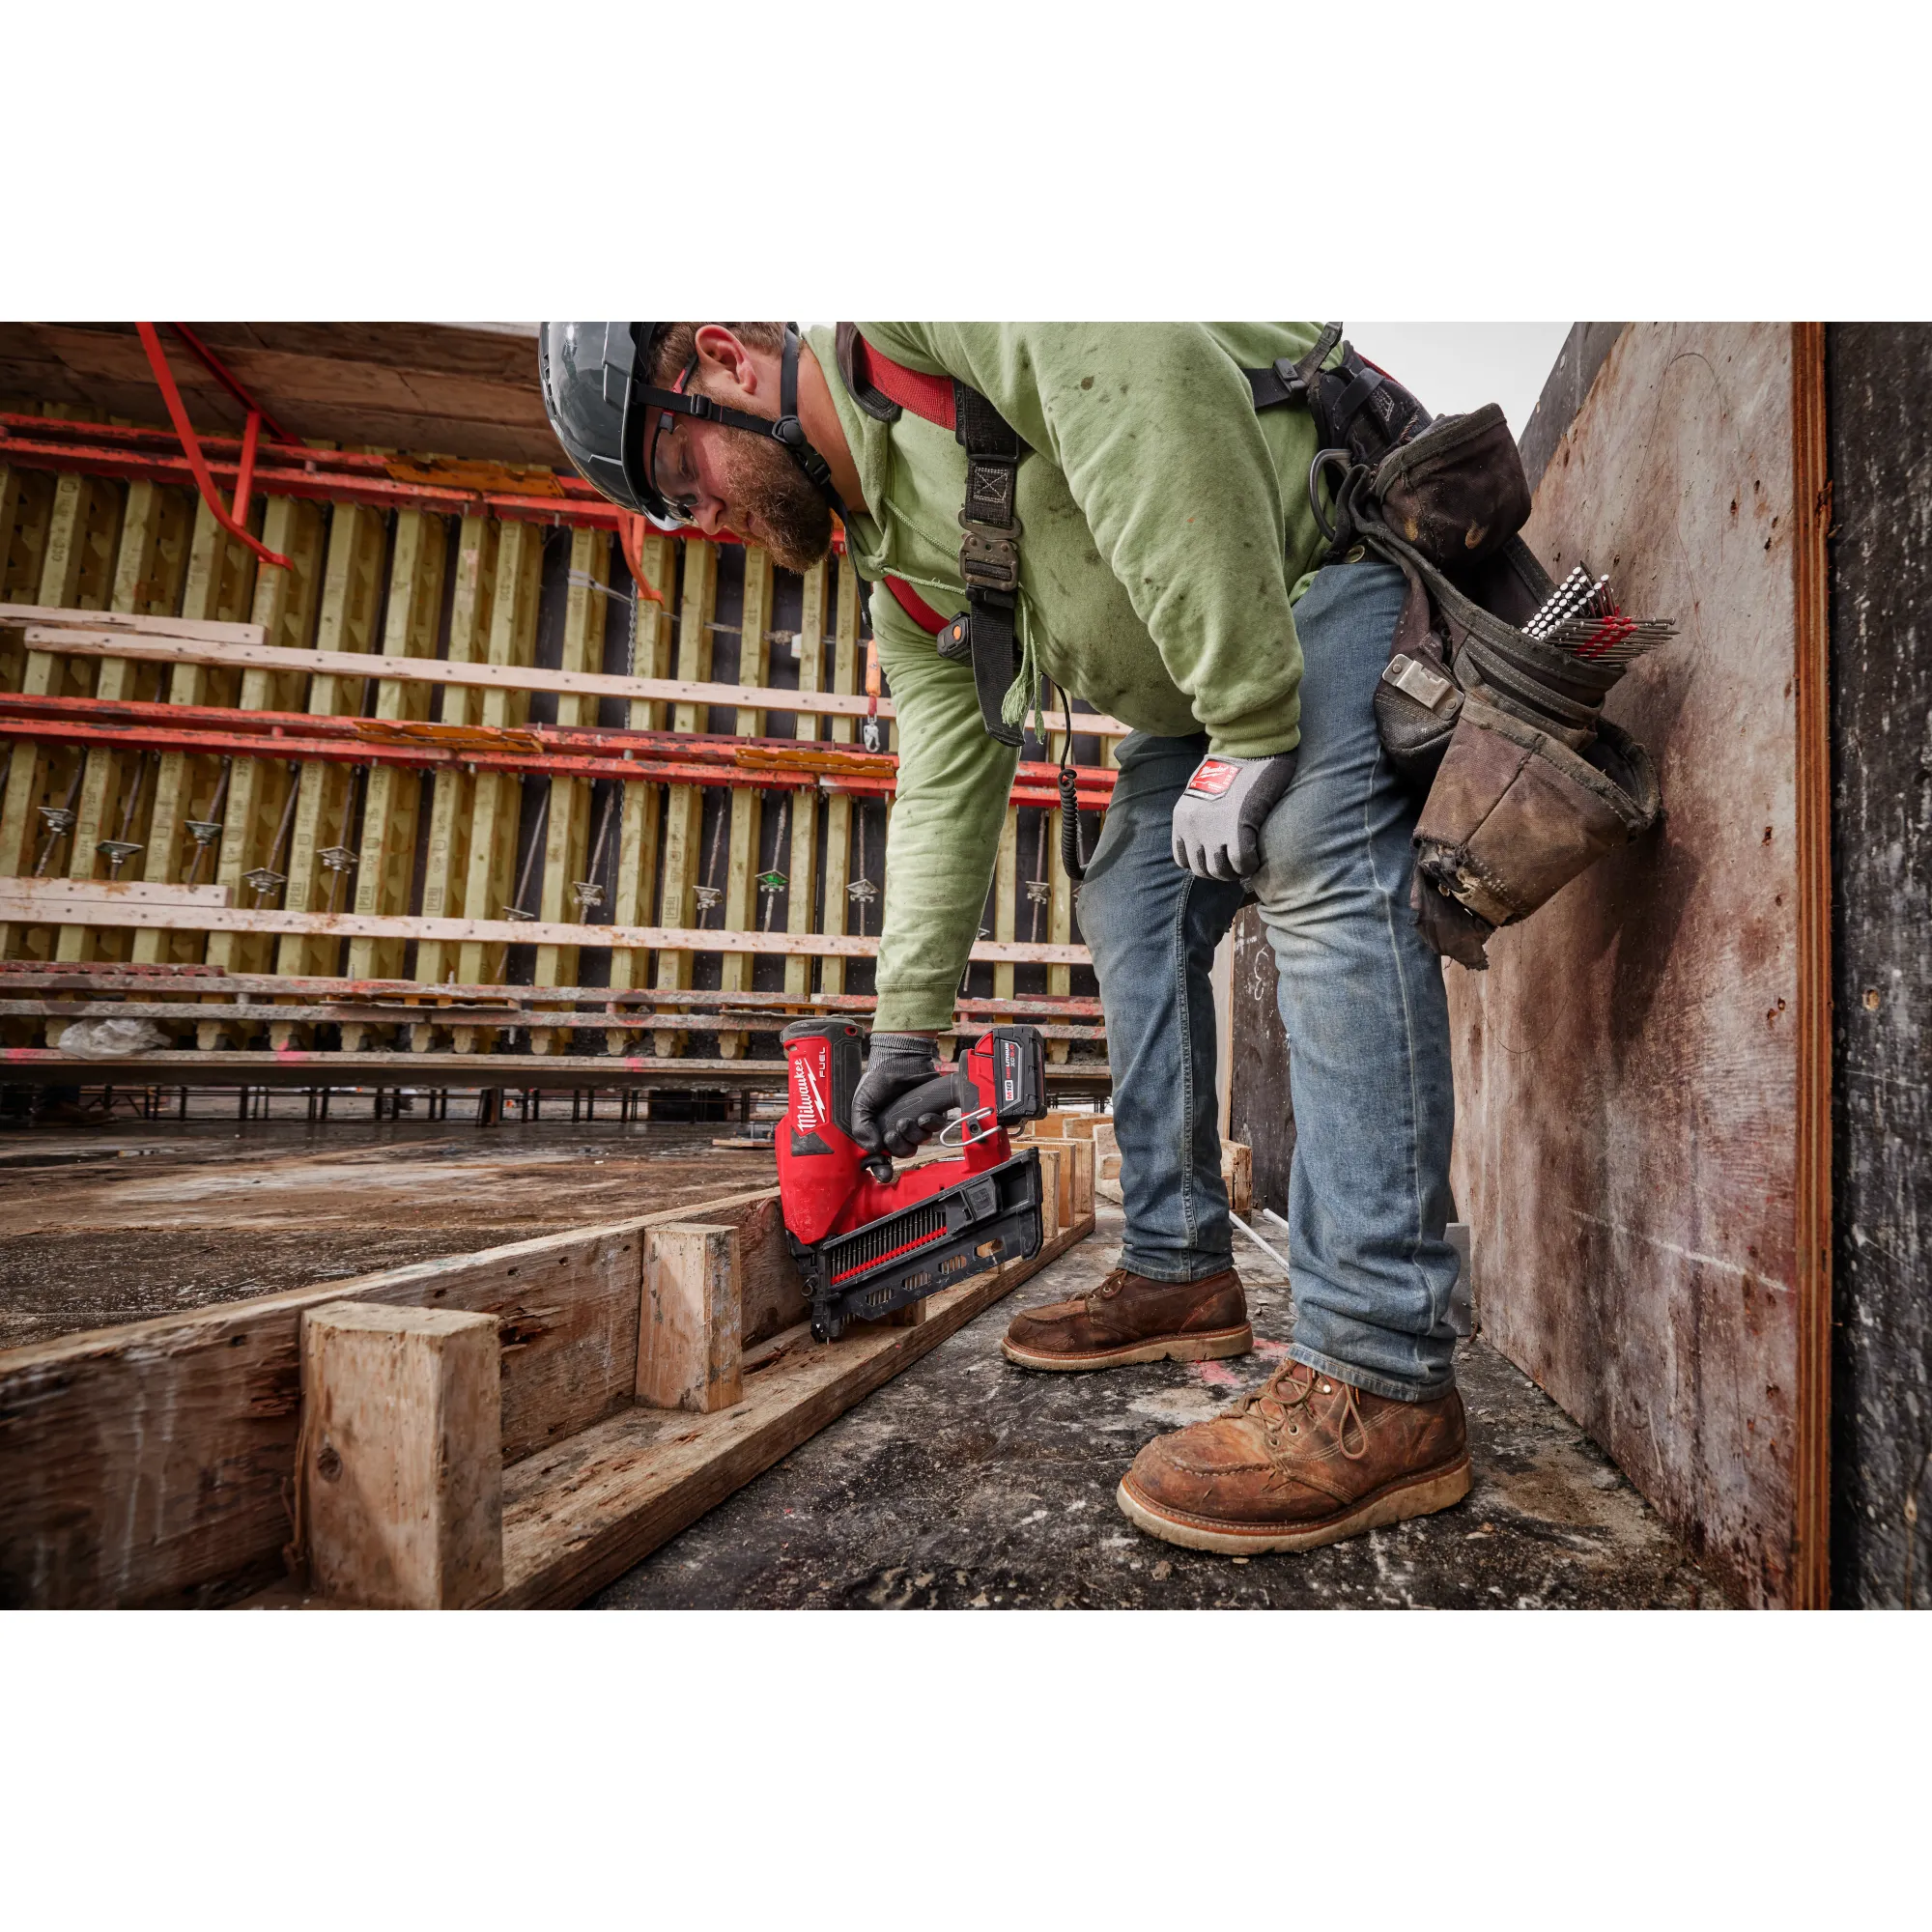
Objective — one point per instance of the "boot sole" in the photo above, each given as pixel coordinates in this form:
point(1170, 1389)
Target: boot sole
point(1215, 1347)
point(1418, 1495)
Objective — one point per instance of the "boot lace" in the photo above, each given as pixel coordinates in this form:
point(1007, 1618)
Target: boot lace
point(1284, 1405)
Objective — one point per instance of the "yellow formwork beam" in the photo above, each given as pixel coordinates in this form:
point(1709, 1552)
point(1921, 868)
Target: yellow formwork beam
point(285, 604)
point(219, 585)
point(643, 804)
point(77, 572)
point(802, 863)
point(116, 797)
point(746, 805)
point(567, 825)
point(684, 804)
point(838, 810)
point(490, 873)
point(391, 806)
point(448, 860)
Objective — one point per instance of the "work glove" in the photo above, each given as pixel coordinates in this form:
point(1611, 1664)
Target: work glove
point(1219, 819)
point(889, 1112)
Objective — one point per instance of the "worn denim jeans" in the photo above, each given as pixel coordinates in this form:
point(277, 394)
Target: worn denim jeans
point(1361, 998)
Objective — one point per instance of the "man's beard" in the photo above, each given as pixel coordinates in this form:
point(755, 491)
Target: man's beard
point(768, 491)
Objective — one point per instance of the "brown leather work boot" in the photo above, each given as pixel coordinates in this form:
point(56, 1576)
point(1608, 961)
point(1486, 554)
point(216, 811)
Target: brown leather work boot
point(1304, 1460)
point(1130, 1319)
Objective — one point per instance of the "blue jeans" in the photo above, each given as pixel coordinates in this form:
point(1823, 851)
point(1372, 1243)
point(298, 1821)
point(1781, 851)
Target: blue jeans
point(1361, 997)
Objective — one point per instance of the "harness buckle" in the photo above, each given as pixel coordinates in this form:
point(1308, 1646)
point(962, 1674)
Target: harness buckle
point(989, 557)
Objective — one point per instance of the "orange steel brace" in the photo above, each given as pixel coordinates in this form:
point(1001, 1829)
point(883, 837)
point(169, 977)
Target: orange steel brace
point(158, 361)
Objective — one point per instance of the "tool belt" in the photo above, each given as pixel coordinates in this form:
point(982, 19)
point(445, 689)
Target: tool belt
point(1527, 784)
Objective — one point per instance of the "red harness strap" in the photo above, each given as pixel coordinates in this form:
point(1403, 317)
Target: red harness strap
point(927, 397)
point(930, 399)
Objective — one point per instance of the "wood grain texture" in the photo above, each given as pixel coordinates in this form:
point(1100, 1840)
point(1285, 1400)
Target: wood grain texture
point(690, 1347)
point(152, 1463)
point(402, 1462)
point(1630, 1069)
point(586, 1511)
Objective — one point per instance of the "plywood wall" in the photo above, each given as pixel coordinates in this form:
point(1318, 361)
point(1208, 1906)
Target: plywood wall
point(1642, 1075)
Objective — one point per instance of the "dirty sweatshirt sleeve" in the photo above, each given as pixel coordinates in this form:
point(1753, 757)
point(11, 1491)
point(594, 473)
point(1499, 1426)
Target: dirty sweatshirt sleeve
point(953, 783)
point(1153, 426)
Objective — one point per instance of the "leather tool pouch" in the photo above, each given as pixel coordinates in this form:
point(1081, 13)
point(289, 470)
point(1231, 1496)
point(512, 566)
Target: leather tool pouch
point(1528, 784)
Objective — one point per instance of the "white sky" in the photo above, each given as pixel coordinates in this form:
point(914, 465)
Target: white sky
point(1457, 366)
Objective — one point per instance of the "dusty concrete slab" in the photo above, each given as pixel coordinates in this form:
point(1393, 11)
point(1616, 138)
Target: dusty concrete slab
point(101, 1228)
point(969, 1483)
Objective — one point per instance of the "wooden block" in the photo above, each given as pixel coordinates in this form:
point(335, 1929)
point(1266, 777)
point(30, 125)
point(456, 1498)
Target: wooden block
point(690, 1328)
point(1237, 1171)
point(401, 1470)
point(1006, 897)
point(1053, 1215)
point(1076, 1179)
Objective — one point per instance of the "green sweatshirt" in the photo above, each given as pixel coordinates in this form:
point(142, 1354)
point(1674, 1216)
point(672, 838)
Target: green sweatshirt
point(1167, 534)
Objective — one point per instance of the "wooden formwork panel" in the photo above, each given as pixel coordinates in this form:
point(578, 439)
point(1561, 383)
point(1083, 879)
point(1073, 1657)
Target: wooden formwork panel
point(374, 872)
point(1642, 1074)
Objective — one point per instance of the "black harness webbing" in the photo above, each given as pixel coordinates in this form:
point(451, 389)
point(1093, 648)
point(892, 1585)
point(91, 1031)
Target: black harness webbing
point(989, 556)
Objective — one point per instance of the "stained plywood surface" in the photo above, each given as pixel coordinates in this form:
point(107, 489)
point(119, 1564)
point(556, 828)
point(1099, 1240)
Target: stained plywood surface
point(1628, 1073)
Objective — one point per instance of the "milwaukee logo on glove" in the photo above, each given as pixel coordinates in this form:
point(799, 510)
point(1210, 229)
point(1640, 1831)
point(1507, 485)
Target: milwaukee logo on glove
point(1211, 778)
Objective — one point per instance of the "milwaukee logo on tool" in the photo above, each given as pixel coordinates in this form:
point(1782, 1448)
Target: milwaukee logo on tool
point(808, 1102)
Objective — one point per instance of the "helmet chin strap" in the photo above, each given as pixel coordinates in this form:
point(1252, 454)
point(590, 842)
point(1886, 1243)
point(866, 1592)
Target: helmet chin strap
point(788, 431)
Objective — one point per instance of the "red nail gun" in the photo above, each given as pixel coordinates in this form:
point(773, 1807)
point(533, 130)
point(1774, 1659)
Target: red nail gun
point(870, 1239)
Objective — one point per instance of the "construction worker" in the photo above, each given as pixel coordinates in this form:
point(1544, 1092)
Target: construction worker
point(1139, 531)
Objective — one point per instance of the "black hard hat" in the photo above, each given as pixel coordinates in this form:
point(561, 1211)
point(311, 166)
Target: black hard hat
point(592, 390)
point(598, 394)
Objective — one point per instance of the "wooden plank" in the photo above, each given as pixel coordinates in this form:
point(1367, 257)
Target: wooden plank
point(401, 1467)
point(1006, 897)
point(1631, 1071)
point(138, 624)
point(580, 1514)
point(51, 896)
point(687, 695)
point(487, 934)
point(147, 1464)
point(447, 861)
point(838, 808)
point(689, 1348)
point(393, 803)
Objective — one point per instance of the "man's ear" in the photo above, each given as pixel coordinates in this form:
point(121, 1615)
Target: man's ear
point(733, 376)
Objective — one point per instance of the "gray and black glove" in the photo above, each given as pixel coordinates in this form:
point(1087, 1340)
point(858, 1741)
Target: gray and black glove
point(902, 1099)
point(1219, 819)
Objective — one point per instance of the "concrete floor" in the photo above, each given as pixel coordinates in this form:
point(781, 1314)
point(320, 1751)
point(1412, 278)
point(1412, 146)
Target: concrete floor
point(967, 1483)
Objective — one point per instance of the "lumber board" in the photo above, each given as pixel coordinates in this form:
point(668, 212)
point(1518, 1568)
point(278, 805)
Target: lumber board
point(747, 804)
point(134, 624)
point(488, 933)
point(580, 1515)
point(149, 1463)
point(686, 694)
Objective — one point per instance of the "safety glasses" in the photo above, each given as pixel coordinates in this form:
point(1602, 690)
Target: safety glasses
point(670, 458)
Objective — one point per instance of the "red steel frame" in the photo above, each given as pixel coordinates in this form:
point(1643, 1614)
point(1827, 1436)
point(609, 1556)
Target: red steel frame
point(660, 757)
